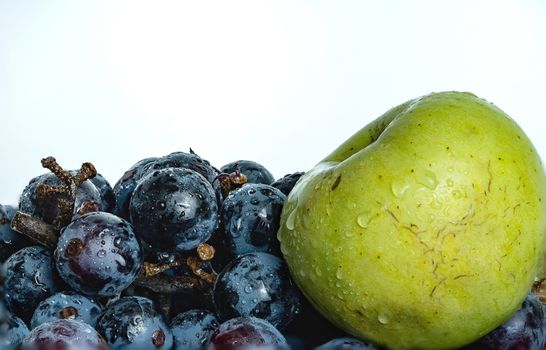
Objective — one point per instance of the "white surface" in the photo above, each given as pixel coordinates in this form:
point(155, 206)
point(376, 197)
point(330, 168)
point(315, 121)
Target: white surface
point(279, 82)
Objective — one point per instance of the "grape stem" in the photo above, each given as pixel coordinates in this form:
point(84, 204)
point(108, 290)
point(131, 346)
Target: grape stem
point(71, 184)
point(174, 284)
point(231, 181)
point(36, 229)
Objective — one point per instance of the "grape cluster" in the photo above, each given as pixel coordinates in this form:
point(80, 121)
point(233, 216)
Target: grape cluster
point(176, 255)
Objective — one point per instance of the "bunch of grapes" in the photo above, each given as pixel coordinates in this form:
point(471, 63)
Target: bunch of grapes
point(176, 255)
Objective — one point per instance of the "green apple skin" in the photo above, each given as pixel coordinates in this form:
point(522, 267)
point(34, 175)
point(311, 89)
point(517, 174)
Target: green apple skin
point(424, 230)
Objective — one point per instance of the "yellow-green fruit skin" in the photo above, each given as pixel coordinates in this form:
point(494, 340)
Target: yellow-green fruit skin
point(424, 230)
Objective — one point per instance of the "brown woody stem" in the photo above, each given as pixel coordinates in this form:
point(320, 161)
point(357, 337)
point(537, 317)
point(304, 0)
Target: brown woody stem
point(36, 229)
point(176, 284)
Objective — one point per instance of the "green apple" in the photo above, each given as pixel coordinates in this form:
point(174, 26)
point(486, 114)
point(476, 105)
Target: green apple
point(425, 229)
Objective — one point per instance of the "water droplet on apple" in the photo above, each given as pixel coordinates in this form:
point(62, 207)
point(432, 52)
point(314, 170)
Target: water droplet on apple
point(457, 194)
point(429, 180)
point(284, 251)
point(435, 204)
point(382, 318)
point(349, 233)
point(399, 189)
point(339, 274)
point(306, 221)
point(449, 182)
point(318, 271)
point(363, 220)
point(290, 220)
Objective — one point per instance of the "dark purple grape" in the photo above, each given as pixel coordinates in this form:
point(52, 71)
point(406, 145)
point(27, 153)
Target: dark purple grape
point(295, 342)
point(10, 241)
point(106, 193)
point(287, 182)
point(30, 278)
point(258, 285)
point(190, 161)
point(346, 344)
point(255, 173)
point(12, 331)
point(66, 305)
point(133, 323)
point(192, 329)
point(250, 216)
point(187, 161)
point(123, 189)
point(311, 328)
point(174, 209)
point(245, 333)
point(526, 329)
point(64, 335)
point(98, 254)
point(47, 208)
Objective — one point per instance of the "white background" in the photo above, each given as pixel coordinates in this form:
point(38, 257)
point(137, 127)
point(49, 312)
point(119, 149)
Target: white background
point(279, 82)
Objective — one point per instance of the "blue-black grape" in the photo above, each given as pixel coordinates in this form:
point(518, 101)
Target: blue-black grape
point(250, 216)
point(66, 305)
point(193, 328)
point(64, 335)
point(287, 182)
point(526, 329)
point(190, 161)
point(10, 241)
point(346, 344)
point(98, 254)
point(12, 331)
point(47, 208)
point(30, 278)
point(311, 328)
point(255, 172)
point(187, 161)
point(174, 209)
point(132, 323)
point(258, 285)
point(106, 192)
point(123, 189)
point(245, 333)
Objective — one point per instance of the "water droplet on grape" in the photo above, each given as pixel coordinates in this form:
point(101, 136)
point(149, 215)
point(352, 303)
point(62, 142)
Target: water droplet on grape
point(101, 253)
point(120, 260)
